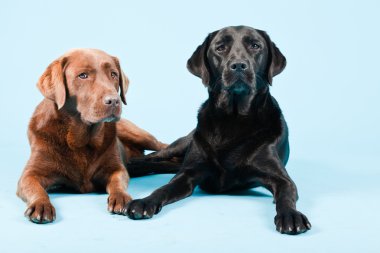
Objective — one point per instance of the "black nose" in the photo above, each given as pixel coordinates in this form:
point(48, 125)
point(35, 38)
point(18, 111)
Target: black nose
point(111, 100)
point(238, 66)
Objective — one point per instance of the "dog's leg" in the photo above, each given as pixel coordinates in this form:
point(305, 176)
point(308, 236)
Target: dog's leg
point(114, 179)
point(133, 136)
point(181, 186)
point(167, 160)
point(194, 171)
point(288, 220)
point(116, 188)
point(31, 189)
point(177, 149)
point(272, 174)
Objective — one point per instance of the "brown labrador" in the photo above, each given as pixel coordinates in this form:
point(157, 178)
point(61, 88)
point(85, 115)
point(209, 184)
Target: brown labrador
point(77, 141)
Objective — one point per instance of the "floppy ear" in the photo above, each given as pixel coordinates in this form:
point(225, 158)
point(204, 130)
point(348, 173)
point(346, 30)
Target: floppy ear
point(123, 81)
point(276, 60)
point(198, 65)
point(52, 82)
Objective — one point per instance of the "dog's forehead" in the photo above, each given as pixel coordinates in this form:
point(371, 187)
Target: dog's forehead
point(237, 32)
point(90, 58)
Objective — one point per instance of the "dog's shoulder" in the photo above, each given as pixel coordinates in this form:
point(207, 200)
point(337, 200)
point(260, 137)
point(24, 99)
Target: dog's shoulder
point(44, 113)
point(44, 122)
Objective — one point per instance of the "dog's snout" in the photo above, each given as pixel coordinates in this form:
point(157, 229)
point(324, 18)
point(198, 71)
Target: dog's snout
point(111, 100)
point(238, 66)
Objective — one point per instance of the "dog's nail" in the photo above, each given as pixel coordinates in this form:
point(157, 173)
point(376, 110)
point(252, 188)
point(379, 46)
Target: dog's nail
point(145, 213)
point(133, 211)
point(308, 225)
point(289, 229)
point(298, 229)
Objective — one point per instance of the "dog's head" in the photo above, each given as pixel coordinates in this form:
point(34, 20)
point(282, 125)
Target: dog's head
point(236, 63)
point(86, 82)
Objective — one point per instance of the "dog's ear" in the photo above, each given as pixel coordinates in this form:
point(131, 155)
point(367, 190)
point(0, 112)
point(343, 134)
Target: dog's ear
point(198, 65)
point(276, 60)
point(52, 82)
point(123, 81)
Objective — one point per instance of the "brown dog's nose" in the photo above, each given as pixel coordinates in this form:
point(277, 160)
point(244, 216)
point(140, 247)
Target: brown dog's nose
point(111, 100)
point(238, 66)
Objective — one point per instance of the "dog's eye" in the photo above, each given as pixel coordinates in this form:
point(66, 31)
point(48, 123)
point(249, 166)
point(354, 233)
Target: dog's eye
point(114, 75)
point(254, 46)
point(82, 75)
point(221, 48)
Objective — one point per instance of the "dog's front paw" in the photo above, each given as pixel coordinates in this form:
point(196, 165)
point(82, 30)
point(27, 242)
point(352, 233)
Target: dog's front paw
point(40, 212)
point(142, 209)
point(291, 222)
point(117, 202)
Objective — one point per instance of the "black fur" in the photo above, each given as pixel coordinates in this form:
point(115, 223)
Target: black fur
point(241, 140)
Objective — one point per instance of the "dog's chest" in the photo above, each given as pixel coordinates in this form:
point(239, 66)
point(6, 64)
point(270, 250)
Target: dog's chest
point(85, 164)
point(227, 137)
point(87, 156)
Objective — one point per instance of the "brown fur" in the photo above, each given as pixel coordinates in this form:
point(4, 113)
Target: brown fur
point(76, 141)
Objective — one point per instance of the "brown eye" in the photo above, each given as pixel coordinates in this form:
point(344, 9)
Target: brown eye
point(83, 76)
point(221, 48)
point(254, 46)
point(114, 75)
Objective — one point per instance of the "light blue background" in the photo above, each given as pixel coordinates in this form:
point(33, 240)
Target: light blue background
point(329, 93)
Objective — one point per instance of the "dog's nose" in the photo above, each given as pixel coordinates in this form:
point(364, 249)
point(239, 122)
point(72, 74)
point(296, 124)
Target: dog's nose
point(111, 100)
point(238, 66)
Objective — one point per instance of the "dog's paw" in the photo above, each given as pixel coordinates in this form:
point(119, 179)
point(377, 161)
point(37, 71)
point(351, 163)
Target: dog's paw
point(40, 212)
point(291, 222)
point(142, 209)
point(117, 202)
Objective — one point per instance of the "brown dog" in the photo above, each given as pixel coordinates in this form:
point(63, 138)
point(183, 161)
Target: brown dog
point(75, 140)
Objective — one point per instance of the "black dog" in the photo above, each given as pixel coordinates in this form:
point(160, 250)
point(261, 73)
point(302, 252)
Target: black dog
point(241, 140)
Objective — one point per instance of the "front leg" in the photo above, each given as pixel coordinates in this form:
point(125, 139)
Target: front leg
point(181, 186)
point(288, 220)
point(114, 179)
point(116, 188)
point(31, 189)
point(194, 170)
point(272, 174)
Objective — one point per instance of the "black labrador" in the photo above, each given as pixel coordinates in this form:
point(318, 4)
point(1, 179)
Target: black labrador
point(241, 140)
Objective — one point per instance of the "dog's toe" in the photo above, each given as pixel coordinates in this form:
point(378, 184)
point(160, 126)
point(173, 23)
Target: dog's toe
point(142, 209)
point(117, 202)
point(40, 212)
point(292, 222)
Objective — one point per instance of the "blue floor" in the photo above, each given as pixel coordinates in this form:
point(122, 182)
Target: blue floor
point(329, 94)
point(341, 202)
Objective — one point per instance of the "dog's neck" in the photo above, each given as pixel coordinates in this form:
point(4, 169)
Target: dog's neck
point(80, 134)
point(248, 106)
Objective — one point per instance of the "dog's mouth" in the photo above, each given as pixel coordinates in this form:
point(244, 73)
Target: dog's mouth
point(236, 98)
point(110, 115)
point(106, 119)
point(239, 88)
point(112, 118)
